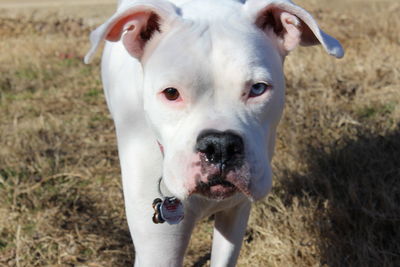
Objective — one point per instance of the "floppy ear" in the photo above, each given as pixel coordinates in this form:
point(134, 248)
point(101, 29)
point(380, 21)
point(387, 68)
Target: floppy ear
point(290, 25)
point(135, 23)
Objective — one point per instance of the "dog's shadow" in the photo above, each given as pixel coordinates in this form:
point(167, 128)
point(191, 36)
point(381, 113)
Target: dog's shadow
point(357, 184)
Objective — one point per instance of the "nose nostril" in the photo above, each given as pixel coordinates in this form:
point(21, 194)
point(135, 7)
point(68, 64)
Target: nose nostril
point(209, 151)
point(231, 149)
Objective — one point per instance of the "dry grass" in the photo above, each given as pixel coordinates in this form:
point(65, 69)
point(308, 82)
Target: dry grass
point(336, 197)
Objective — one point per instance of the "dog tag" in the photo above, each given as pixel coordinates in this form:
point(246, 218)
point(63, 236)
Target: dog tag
point(169, 210)
point(157, 214)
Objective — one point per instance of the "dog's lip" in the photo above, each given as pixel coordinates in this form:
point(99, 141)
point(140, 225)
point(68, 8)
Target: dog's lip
point(217, 181)
point(215, 188)
point(223, 187)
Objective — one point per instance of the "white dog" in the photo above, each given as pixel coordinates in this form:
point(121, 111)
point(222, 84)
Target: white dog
point(196, 91)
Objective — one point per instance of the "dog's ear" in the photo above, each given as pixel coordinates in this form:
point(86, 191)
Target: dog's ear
point(290, 25)
point(135, 23)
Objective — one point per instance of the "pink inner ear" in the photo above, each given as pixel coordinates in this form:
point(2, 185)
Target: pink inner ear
point(134, 30)
point(292, 35)
point(137, 19)
point(116, 31)
point(132, 42)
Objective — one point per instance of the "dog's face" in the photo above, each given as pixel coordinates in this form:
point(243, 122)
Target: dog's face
point(213, 94)
point(213, 86)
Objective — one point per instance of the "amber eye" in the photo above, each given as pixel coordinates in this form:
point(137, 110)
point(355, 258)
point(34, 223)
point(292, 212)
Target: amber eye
point(171, 93)
point(259, 89)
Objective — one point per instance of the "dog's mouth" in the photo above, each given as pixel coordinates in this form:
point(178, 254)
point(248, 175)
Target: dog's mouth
point(218, 182)
point(216, 188)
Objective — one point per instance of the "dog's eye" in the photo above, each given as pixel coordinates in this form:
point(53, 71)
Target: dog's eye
point(258, 89)
point(171, 94)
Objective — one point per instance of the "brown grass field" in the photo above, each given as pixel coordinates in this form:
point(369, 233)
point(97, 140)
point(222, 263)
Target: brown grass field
point(336, 196)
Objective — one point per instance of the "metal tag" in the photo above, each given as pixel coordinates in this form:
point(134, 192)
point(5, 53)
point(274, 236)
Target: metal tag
point(169, 210)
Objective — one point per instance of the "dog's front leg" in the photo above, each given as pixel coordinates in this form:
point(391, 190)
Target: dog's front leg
point(229, 229)
point(157, 245)
point(161, 245)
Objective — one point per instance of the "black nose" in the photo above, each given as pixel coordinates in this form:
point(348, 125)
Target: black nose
point(224, 148)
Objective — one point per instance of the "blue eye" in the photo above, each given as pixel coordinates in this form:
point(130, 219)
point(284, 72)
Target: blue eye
point(258, 89)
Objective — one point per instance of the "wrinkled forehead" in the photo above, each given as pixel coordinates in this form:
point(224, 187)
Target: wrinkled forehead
point(203, 50)
point(180, 54)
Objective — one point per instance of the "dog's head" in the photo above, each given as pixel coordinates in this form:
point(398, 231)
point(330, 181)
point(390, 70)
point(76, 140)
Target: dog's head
point(213, 85)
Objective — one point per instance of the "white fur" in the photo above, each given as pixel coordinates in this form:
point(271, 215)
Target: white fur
point(212, 51)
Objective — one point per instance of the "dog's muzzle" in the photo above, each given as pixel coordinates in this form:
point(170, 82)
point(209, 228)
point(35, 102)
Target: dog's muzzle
point(221, 158)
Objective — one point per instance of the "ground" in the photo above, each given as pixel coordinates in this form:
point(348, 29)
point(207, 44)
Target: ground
point(336, 196)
